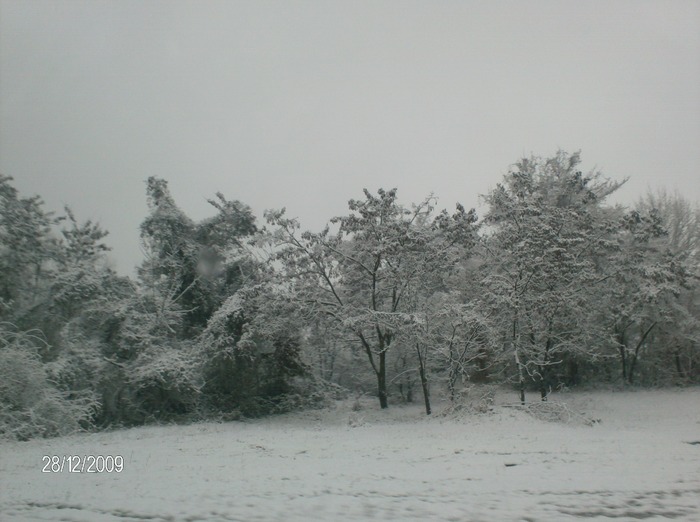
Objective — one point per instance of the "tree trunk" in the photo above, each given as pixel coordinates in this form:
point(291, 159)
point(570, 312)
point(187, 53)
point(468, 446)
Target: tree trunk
point(481, 374)
point(423, 380)
point(516, 345)
point(622, 348)
point(453, 373)
point(630, 375)
point(452, 376)
point(543, 388)
point(679, 366)
point(572, 378)
point(381, 380)
point(380, 370)
point(544, 369)
point(521, 376)
point(623, 360)
point(426, 395)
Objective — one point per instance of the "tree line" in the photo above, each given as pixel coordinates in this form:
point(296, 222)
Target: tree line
point(552, 288)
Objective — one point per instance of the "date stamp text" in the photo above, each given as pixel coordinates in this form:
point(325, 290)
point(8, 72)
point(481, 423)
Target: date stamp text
point(82, 464)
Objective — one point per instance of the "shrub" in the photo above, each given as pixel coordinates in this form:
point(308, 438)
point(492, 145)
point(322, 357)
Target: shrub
point(30, 404)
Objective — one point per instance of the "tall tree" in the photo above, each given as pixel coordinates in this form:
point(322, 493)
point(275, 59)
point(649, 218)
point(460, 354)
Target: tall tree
point(678, 333)
point(193, 259)
point(547, 230)
point(27, 248)
point(362, 276)
point(646, 281)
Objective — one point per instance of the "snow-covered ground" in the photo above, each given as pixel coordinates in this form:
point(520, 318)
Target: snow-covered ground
point(638, 462)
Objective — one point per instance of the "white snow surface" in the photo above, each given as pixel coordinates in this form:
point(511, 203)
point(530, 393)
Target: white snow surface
point(637, 462)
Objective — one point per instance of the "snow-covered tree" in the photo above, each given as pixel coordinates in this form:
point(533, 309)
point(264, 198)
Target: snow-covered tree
point(362, 276)
point(677, 335)
point(547, 233)
point(645, 280)
point(27, 250)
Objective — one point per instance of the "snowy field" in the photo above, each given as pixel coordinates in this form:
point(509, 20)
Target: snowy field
point(637, 462)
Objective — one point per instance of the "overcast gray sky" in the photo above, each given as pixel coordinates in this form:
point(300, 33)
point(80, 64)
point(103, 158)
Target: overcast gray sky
point(303, 103)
